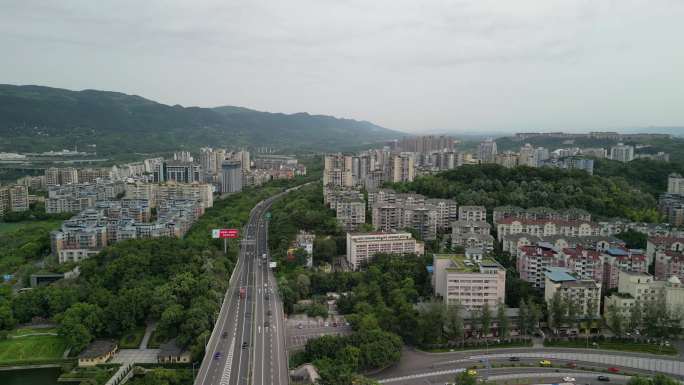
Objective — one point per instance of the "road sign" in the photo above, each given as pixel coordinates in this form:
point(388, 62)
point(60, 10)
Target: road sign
point(225, 233)
point(268, 215)
point(272, 265)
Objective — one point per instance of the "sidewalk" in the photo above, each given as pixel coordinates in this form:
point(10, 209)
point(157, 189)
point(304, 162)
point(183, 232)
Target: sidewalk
point(148, 333)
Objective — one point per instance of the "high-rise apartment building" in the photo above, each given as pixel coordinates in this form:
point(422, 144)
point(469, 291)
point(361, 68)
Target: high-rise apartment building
point(402, 167)
point(487, 151)
point(231, 177)
point(507, 159)
point(622, 153)
point(13, 199)
point(178, 171)
point(60, 176)
point(338, 171)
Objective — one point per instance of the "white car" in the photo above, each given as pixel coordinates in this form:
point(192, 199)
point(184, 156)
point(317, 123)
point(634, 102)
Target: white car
point(569, 379)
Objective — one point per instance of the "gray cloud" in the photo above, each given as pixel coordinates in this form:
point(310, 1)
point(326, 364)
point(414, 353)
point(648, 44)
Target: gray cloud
point(413, 65)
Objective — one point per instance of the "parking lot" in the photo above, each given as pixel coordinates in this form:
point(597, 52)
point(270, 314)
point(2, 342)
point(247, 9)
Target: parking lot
point(299, 331)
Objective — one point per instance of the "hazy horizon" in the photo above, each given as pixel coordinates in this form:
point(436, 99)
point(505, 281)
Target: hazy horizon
point(466, 66)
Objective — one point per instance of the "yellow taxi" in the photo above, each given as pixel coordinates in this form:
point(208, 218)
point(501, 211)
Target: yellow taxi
point(544, 363)
point(471, 372)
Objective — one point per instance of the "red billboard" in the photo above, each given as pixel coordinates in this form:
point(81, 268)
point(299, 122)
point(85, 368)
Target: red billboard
point(225, 233)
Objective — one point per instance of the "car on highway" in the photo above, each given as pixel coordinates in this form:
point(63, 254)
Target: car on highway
point(300, 326)
point(224, 334)
point(614, 370)
point(217, 355)
point(269, 312)
point(244, 345)
point(266, 324)
point(603, 378)
point(514, 359)
point(569, 379)
point(471, 372)
point(571, 365)
point(544, 363)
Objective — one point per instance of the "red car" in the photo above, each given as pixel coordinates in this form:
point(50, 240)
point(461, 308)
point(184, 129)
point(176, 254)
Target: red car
point(613, 370)
point(571, 365)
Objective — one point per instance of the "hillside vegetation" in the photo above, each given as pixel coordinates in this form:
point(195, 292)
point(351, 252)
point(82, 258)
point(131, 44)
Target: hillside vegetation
point(493, 185)
point(34, 118)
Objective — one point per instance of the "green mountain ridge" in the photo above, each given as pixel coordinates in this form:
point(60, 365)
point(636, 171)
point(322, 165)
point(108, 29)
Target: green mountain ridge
point(37, 118)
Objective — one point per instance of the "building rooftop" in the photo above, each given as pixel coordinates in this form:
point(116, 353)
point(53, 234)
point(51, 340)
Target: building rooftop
point(559, 274)
point(98, 348)
point(461, 263)
point(170, 348)
point(617, 251)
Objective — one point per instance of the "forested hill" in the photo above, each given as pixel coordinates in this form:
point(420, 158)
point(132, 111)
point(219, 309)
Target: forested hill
point(35, 118)
point(492, 185)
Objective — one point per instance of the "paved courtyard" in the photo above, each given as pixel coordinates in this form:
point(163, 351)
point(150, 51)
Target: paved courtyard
point(138, 356)
point(300, 330)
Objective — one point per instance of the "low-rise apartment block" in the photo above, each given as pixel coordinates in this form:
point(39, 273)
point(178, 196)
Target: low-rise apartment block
point(511, 243)
point(156, 193)
point(546, 227)
point(661, 246)
point(73, 198)
point(532, 262)
point(472, 234)
point(585, 258)
point(637, 290)
point(361, 247)
point(585, 293)
point(472, 213)
point(350, 213)
point(539, 213)
point(93, 229)
point(471, 283)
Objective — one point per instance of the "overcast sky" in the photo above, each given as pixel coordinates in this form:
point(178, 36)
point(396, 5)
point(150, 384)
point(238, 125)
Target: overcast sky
point(417, 66)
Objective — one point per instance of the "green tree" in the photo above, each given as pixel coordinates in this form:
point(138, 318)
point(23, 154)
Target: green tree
point(324, 249)
point(615, 320)
point(502, 321)
point(523, 318)
point(80, 324)
point(463, 378)
point(485, 320)
point(635, 317)
point(454, 323)
point(557, 310)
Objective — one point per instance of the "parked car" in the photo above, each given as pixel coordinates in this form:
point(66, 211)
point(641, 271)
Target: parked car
point(569, 379)
point(614, 370)
point(544, 363)
point(514, 359)
point(471, 372)
point(603, 378)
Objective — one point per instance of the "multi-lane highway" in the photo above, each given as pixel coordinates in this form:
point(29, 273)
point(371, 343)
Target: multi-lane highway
point(247, 345)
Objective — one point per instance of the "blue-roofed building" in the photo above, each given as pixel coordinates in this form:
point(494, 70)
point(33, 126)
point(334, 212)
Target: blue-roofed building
point(585, 293)
point(617, 252)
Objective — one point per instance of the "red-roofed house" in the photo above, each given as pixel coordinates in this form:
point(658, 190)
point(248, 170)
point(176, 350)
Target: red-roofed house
point(545, 227)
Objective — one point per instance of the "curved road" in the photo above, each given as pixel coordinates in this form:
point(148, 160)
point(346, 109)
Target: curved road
point(421, 365)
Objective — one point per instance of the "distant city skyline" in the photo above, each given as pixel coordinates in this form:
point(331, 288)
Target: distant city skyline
point(468, 66)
